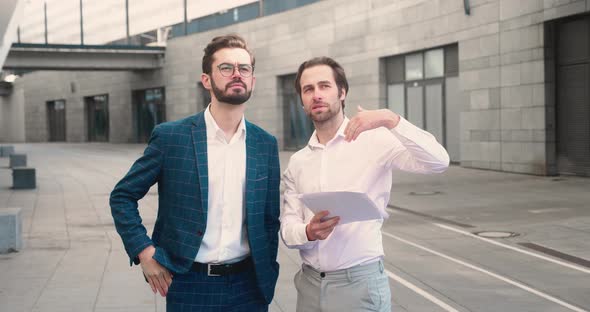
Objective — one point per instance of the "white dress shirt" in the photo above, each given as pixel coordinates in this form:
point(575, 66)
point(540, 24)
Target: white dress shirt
point(225, 239)
point(364, 165)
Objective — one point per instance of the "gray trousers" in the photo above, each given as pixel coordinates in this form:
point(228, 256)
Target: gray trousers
point(360, 288)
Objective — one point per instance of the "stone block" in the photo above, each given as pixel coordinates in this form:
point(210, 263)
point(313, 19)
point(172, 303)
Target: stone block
point(481, 152)
point(533, 118)
point(560, 9)
point(532, 72)
point(480, 99)
point(511, 119)
point(523, 152)
point(18, 160)
point(517, 96)
point(495, 97)
point(522, 38)
point(480, 79)
point(10, 230)
point(510, 75)
point(24, 178)
point(481, 120)
point(511, 9)
point(6, 150)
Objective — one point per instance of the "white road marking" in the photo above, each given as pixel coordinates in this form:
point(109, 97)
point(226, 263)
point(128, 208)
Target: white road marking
point(548, 210)
point(421, 292)
point(497, 276)
point(526, 252)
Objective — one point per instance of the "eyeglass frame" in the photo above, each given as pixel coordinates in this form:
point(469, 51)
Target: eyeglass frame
point(233, 69)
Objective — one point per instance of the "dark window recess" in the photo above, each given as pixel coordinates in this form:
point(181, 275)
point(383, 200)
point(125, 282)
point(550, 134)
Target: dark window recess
point(150, 110)
point(297, 126)
point(56, 120)
point(572, 100)
point(97, 117)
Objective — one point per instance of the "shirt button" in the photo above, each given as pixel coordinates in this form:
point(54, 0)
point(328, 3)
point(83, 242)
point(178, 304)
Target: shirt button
point(200, 233)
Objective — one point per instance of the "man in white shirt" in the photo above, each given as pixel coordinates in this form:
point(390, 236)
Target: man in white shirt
point(343, 264)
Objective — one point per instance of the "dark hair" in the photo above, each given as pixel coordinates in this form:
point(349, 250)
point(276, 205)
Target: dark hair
point(337, 70)
point(222, 42)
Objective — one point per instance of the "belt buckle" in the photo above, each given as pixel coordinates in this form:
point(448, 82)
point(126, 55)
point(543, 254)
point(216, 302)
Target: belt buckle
point(209, 267)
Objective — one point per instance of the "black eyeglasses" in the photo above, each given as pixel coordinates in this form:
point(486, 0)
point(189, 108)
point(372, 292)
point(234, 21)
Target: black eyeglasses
point(227, 69)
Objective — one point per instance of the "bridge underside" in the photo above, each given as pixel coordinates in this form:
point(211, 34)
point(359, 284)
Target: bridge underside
point(83, 57)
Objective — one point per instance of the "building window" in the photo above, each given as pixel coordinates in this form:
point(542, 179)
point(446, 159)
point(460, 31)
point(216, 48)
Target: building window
point(277, 6)
point(434, 63)
point(297, 127)
point(423, 88)
point(149, 110)
point(414, 66)
point(97, 117)
point(56, 120)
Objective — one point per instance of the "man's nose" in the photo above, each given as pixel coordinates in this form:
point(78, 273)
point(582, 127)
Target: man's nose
point(236, 73)
point(317, 96)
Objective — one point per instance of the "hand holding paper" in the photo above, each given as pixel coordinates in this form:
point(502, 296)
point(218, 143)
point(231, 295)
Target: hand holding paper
point(349, 206)
point(320, 226)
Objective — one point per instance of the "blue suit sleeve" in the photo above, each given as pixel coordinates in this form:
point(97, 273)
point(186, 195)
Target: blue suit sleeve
point(143, 174)
point(272, 209)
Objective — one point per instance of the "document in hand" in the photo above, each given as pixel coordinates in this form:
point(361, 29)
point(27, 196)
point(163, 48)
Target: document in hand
point(349, 206)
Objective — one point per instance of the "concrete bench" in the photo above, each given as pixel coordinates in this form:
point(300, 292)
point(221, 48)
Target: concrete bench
point(24, 178)
point(6, 150)
point(18, 160)
point(10, 230)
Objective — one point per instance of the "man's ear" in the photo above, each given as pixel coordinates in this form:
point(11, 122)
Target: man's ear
point(342, 94)
point(206, 81)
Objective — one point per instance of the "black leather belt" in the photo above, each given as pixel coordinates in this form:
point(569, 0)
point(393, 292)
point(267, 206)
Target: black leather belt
point(213, 269)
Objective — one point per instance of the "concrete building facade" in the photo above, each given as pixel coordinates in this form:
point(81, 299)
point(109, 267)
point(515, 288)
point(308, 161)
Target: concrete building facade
point(483, 75)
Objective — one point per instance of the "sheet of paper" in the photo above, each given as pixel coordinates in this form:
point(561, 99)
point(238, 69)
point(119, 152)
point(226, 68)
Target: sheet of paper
point(349, 206)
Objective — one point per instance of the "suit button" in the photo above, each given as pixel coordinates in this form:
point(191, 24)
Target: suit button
point(322, 274)
point(200, 233)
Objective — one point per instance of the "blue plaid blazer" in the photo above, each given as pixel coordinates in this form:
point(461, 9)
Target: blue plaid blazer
point(176, 159)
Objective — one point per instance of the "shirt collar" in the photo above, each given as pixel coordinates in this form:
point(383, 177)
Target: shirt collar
point(213, 130)
point(314, 143)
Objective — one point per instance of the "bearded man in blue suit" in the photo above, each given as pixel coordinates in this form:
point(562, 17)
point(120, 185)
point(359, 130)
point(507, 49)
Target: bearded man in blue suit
point(214, 244)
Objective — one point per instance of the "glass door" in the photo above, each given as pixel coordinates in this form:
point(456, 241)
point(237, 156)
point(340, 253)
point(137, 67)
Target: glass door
point(415, 103)
point(97, 114)
point(435, 109)
point(425, 106)
point(56, 120)
point(149, 111)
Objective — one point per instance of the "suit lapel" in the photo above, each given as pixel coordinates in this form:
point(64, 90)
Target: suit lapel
point(251, 151)
point(199, 133)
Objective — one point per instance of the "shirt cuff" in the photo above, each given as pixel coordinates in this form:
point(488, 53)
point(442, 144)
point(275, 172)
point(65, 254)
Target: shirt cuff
point(403, 126)
point(302, 235)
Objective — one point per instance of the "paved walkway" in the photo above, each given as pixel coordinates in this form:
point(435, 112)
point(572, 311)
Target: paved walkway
point(74, 260)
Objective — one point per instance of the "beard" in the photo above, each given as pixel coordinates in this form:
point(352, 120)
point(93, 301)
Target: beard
point(230, 98)
point(325, 115)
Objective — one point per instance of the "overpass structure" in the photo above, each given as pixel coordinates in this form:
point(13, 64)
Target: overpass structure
point(27, 56)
